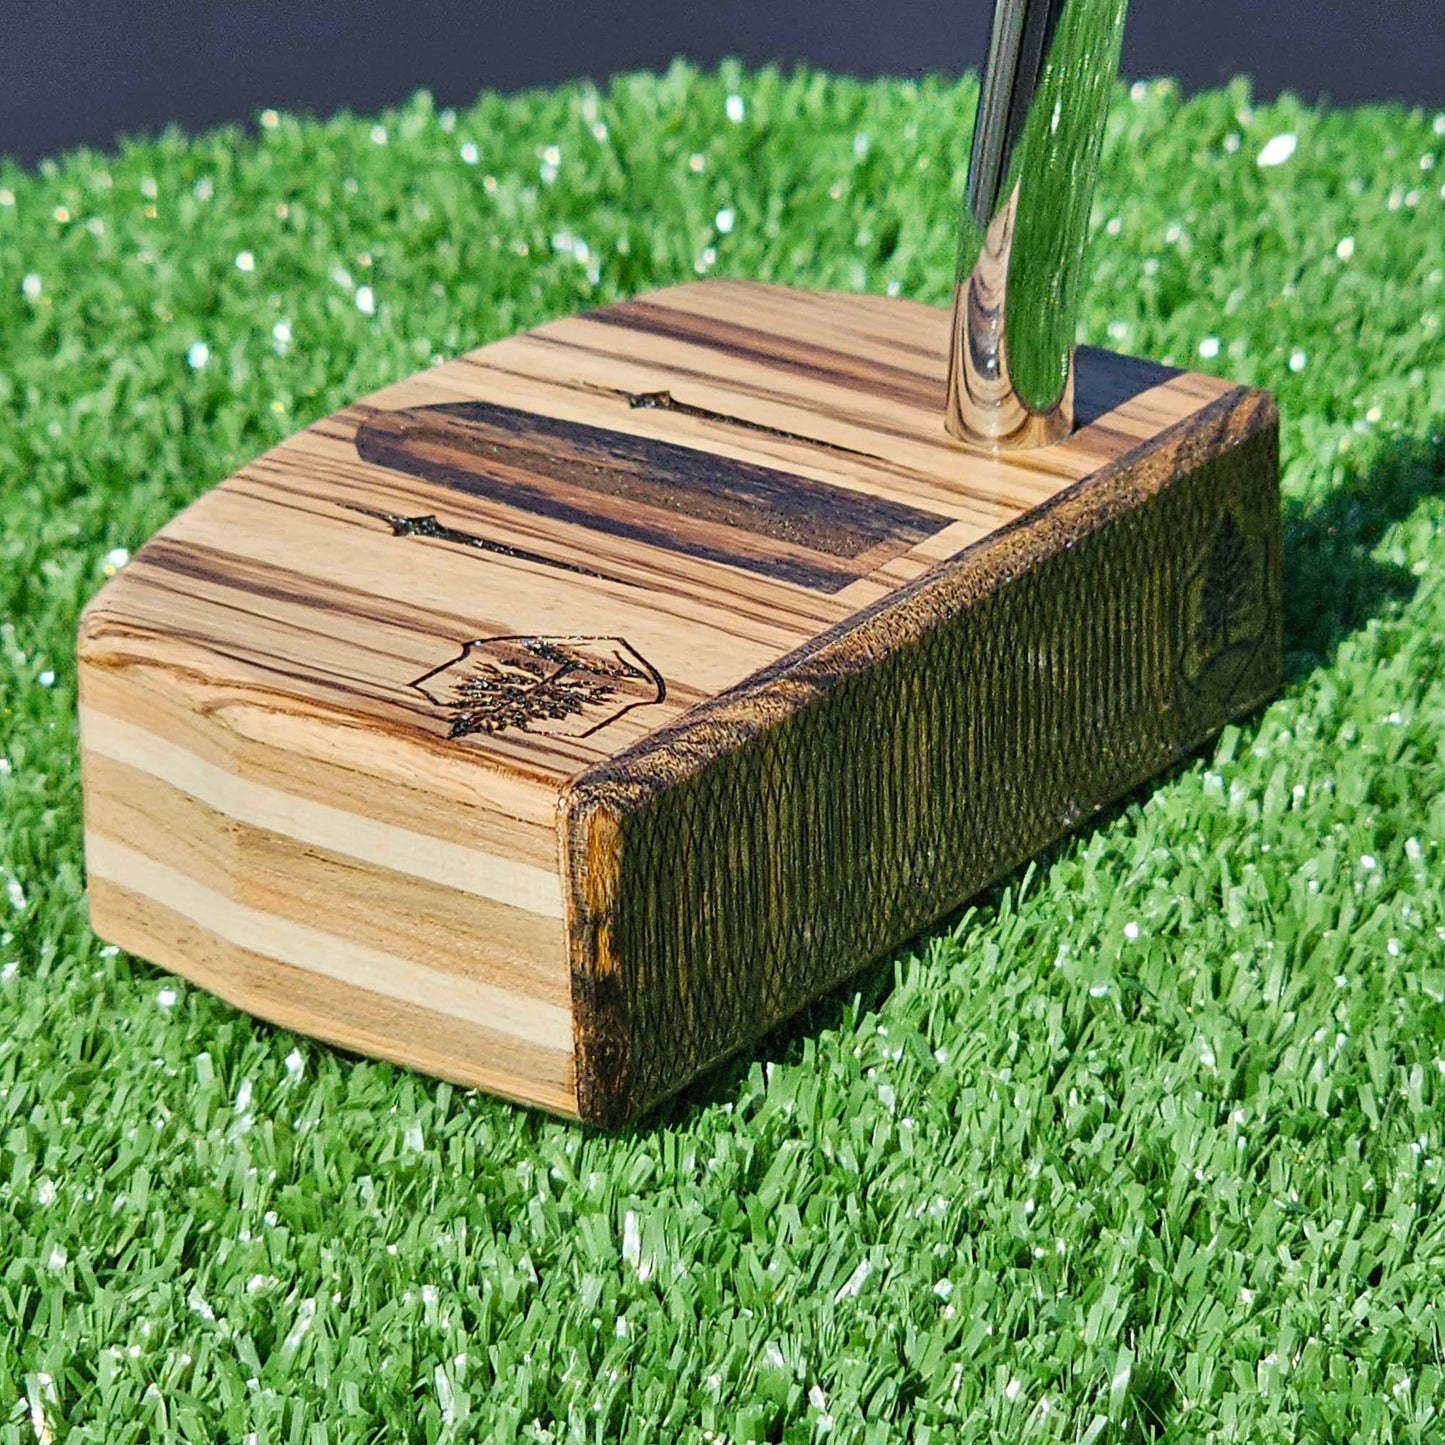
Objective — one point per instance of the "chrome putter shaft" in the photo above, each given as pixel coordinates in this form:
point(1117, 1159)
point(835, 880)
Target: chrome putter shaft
point(1036, 147)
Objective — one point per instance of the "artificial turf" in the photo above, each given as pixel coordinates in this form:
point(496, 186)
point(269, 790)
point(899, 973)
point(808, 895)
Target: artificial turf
point(1147, 1145)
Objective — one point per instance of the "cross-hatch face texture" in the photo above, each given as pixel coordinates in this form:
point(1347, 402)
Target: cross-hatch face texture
point(818, 818)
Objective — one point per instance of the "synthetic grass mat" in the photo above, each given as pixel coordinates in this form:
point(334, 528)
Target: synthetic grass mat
point(1146, 1146)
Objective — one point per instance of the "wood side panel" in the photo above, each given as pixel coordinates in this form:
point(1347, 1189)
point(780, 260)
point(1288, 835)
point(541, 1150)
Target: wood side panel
point(780, 837)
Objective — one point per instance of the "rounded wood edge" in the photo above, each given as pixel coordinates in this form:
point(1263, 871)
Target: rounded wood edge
point(589, 830)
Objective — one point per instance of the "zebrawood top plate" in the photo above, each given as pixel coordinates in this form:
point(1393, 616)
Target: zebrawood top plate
point(541, 551)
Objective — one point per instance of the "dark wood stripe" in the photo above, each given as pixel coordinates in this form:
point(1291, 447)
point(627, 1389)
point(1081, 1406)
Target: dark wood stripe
point(517, 532)
point(768, 348)
point(790, 527)
point(1104, 381)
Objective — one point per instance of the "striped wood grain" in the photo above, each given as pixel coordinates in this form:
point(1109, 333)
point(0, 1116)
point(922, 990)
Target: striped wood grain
point(338, 714)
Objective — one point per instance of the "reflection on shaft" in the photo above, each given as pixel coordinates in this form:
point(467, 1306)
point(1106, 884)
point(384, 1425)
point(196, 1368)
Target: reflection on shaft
point(1037, 142)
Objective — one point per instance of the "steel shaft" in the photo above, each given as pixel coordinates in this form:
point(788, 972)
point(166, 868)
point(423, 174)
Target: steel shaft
point(1037, 143)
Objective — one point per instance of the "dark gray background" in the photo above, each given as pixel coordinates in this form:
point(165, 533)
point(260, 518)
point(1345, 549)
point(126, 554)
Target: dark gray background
point(88, 71)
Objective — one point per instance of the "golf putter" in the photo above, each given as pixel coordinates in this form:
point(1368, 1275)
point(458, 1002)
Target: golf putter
point(561, 718)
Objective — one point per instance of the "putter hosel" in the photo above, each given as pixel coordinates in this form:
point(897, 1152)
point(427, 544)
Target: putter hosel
point(1037, 141)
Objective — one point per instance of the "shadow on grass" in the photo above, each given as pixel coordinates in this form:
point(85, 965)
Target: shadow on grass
point(1332, 586)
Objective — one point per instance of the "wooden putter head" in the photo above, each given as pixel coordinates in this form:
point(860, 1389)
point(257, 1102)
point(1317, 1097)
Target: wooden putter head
point(561, 718)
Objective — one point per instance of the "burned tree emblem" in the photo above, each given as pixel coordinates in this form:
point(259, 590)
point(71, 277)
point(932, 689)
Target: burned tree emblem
point(559, 686)
point(1225, 608)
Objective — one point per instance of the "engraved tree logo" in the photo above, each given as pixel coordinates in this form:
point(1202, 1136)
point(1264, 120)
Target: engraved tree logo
point(567, 687)
point(1226, 588)
point(553, 683)
point(1225, 607)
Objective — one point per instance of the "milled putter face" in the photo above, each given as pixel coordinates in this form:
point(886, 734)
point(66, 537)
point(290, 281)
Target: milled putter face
point(563, 717)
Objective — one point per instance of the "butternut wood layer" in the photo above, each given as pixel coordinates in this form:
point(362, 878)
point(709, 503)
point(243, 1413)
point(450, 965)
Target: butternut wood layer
point(510, 953)
point(439, 1042)
point(233, 800)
